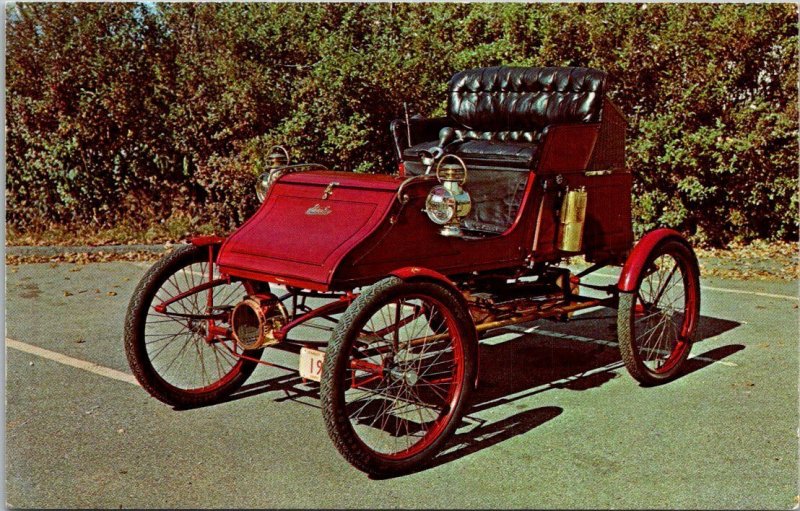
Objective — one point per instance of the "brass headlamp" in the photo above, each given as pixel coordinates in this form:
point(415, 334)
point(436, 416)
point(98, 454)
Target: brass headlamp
point(448, 202)
point(279, 157)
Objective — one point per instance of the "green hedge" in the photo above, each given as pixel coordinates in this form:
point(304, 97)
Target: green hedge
point(139, 110)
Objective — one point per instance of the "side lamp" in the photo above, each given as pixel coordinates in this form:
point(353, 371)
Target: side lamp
point(278, 157)
point(448, 202)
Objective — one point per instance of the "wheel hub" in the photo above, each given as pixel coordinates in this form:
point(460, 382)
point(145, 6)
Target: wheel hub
point(197, 327)
point(399, 368)
point(407, 376)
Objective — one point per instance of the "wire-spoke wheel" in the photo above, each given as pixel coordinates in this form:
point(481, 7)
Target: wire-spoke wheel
point(656, 323)
point(175, 328)
point(397, 375)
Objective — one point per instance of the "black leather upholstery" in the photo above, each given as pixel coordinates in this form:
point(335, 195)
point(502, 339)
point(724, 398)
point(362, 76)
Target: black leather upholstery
point(508, 106)
point(501, 116)
point(502, 99)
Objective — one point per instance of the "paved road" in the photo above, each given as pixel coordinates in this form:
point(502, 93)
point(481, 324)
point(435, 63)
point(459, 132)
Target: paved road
point(557, 424)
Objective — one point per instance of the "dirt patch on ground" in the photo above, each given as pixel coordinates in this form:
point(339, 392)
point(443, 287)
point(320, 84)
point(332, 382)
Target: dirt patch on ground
point(84, 257)
point(755, 261)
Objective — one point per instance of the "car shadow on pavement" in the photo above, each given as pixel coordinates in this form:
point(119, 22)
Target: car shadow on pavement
point(573, 355)
point(579, 355)
point(486, 434)
point(290, 385)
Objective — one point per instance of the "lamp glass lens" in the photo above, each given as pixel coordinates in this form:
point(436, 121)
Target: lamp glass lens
point(440, 205)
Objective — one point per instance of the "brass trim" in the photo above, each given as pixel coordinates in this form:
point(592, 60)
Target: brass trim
point(594, 173)
point(450, 175)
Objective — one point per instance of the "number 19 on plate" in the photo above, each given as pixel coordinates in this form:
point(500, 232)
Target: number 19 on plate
point(311, 364)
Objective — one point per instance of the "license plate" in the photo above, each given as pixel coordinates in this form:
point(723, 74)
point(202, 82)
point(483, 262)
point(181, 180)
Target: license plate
point(311, 363)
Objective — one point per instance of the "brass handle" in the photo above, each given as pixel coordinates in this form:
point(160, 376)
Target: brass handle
point(459, 160)
point(329, 189)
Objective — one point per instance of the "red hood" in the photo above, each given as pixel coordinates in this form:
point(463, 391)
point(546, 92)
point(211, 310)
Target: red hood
point(297, 237)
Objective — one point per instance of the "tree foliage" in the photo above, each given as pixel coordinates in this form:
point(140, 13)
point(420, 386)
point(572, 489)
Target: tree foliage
point(138, 110)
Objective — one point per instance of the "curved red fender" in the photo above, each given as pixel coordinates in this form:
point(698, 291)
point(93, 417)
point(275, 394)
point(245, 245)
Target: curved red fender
point(638, 257)
point(202, 241)
point(412, 273)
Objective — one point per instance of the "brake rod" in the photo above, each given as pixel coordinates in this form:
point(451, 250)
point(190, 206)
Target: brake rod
point(524, 318)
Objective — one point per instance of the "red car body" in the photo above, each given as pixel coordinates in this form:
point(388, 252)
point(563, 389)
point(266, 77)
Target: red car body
point(328, 230)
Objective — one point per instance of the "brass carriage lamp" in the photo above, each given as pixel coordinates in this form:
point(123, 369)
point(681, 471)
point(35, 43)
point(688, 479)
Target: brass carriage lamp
point(279, 157)
point(448, 202)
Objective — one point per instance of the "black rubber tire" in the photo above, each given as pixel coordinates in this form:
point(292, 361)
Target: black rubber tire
point(136, 350)
point(626, 315)
point(333, 384)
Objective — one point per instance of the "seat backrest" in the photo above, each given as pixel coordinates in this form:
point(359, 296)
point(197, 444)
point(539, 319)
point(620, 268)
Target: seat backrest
point(516, 103)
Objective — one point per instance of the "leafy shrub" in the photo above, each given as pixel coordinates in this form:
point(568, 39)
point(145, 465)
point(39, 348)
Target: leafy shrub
point(147, 110)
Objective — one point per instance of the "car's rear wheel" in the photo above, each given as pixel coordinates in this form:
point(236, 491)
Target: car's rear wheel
point(657, 321)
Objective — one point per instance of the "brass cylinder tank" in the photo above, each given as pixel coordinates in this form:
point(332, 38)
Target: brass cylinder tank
point(572, 220)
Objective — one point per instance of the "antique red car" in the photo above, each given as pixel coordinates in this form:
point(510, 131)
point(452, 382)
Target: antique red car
point(407, 271)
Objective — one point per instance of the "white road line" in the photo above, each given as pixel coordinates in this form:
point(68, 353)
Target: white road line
point(724, 289)
point(73, 362)
point(755, 293)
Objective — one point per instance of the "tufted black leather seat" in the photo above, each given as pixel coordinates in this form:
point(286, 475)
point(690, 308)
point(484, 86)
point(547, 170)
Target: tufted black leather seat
point(502, 117)
point(501, 114)
point(500, 99)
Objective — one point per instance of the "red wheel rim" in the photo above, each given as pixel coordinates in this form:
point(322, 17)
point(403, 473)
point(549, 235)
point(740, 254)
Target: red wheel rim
point(665, 313)
point(180, 349)
point(405, 376)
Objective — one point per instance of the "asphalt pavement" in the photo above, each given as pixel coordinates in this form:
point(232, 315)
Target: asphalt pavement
point(557, 422)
